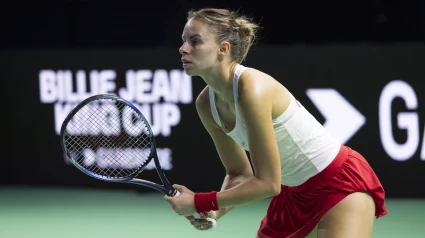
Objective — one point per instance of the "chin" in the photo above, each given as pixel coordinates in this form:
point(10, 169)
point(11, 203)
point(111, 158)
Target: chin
point(190, 72)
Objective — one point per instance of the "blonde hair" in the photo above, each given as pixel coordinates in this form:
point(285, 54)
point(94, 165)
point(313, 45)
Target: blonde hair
point(240, 31)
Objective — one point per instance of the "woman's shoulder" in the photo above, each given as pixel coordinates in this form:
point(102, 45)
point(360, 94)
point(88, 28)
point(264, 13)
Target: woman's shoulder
point(258, 87)
point(253, 80)
point(258, 75)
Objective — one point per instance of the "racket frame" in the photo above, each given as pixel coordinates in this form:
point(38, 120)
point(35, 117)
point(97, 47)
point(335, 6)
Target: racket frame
point(166, 188)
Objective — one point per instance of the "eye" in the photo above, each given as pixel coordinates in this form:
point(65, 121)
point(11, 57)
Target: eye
point(194, 42)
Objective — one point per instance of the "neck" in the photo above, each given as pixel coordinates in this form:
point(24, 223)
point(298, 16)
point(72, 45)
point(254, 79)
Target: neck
point(221, 81)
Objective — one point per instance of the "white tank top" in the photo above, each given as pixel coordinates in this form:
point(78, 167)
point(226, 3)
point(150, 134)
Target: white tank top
point(305, 147)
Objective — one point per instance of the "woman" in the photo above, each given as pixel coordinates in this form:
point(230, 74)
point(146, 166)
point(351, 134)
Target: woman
point(319, 187)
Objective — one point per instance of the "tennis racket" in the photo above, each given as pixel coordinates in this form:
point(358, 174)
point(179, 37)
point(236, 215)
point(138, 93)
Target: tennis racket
point(109, 139)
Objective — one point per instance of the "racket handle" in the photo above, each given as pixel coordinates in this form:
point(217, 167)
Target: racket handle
point(197, 216)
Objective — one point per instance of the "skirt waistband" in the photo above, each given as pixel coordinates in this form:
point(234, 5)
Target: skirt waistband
point(330, 170)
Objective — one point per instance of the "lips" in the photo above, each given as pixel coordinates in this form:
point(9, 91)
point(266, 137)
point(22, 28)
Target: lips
point(186, 61)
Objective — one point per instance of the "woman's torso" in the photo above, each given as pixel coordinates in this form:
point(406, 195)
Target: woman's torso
point(305, 147)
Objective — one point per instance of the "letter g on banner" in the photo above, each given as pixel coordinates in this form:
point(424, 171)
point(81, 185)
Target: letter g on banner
point(408, 121)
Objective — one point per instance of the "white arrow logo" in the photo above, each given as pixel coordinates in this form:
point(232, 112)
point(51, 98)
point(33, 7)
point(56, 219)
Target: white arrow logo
point(342, 120)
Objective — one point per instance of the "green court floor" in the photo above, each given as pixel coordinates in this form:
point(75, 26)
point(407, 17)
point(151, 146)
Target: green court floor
point(87, 213)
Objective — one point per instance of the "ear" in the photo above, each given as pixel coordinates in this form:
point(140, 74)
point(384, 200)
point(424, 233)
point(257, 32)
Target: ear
point(224, 48)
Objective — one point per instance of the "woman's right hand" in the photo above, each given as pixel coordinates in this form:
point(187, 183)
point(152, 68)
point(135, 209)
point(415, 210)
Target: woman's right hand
point(202, 224)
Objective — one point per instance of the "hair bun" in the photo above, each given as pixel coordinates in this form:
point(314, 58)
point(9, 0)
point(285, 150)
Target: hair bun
point(246, 29)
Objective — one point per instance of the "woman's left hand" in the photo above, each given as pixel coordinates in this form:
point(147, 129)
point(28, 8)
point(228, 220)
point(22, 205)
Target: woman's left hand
point(183, 204)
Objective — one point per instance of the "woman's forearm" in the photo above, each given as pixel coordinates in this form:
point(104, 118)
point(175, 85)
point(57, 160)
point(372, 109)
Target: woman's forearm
point(249, 190)
point(230, 181)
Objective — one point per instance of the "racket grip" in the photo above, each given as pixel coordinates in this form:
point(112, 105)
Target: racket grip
point(198, 216)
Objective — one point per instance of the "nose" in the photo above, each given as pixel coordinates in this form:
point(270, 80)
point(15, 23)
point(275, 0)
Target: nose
point(182, 49)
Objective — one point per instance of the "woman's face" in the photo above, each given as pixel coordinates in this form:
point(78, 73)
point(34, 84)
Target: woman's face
point(200, 49)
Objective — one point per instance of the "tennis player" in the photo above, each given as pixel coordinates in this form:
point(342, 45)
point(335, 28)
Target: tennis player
point(319, 187)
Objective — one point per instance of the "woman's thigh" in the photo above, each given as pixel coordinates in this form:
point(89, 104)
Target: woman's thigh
point(351, 217)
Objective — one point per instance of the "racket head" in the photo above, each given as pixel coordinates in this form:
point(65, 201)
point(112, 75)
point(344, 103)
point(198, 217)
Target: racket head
point(96, 140)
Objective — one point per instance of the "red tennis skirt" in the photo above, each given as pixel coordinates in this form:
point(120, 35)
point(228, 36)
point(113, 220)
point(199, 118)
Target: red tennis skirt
point(296, 210)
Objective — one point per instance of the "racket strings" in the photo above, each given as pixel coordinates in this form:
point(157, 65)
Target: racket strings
point(109, 139)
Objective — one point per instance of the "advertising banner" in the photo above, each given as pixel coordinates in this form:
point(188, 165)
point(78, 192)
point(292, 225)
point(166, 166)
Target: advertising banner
point(370, 97)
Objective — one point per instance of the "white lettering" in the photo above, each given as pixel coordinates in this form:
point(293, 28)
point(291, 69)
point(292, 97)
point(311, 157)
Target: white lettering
point(405, 120)
point(161, 117)
point(61, 111)
point(160, 85)
point(106, 81)
point(47, 82)
point(423, 146)
point(66, 77)
point(131, 126)
point(128, 93)
point(165, 159)
point(127, 158)
point(89, 157)
point(145, 86)
point(181, 85)
point(170, 115)
point(95, 119)
point(60, 86)
point(82, 85)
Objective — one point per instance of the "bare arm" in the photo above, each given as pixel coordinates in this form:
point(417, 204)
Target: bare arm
point(233, 157)
point(255, 107)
